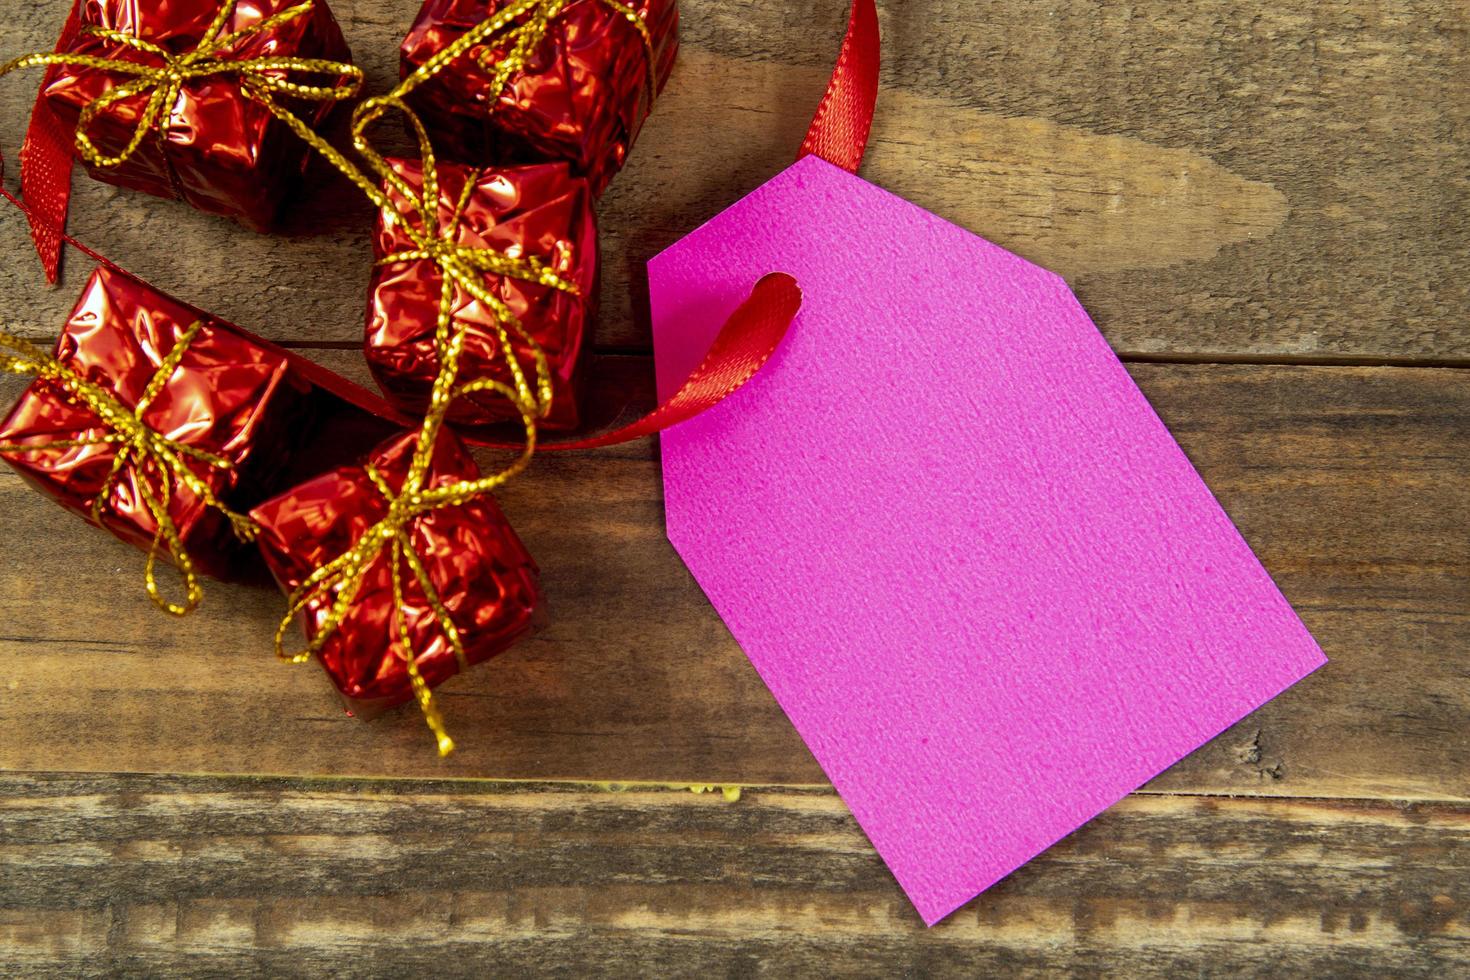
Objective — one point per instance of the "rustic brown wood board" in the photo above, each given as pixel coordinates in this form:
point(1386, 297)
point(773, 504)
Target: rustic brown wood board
point(1264, 208)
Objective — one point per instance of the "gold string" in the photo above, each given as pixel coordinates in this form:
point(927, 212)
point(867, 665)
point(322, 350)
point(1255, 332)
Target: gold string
point(259, 77)
point(462, 266)
point(465, 267)
point(339, 580)
point(152, 453)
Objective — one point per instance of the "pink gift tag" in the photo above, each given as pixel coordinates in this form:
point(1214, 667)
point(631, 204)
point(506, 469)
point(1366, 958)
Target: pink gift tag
point(953, 537)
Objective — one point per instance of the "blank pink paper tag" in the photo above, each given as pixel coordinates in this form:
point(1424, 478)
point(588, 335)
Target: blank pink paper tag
point(963, 552)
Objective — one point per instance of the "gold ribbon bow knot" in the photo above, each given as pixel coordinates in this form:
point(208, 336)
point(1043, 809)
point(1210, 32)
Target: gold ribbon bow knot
point(465, 266)
point(155, 457)
point(259, 77)
point(340, 579)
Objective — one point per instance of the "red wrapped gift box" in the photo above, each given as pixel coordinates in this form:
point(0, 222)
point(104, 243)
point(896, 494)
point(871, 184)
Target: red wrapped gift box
point(222, 395)
point(215, 146)
point(581, 96)
point(539, 212)
point(482, 574)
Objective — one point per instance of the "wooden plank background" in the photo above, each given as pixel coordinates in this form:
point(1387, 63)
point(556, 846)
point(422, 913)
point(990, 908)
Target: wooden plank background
point(1264, 208)
point(243, 877)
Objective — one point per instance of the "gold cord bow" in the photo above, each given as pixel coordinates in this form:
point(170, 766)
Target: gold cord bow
point(259, 77)
point(461, 265)
point(340, 579)
point(153, 455)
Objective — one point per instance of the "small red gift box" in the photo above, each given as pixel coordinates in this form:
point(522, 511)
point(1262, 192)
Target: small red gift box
point(478, 571)
point(538, 212)
point(580, 96)
point(147, 410)
point(214, 144)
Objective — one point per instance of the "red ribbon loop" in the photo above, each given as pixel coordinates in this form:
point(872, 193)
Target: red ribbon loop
point(747, 340)
point(839, 135)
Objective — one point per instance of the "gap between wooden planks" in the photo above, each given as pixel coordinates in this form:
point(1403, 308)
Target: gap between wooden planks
point(1345, 480)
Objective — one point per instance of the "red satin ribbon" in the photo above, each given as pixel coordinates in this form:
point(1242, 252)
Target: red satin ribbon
point(839, 130)
point(747, 340)
point(838, 134)
point(45, 165)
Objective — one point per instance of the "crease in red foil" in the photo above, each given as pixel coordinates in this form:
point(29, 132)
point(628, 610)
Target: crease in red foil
point(220, 150)
point(538, 211)
point(483, 574)
point(582, 97)
point(227, 397)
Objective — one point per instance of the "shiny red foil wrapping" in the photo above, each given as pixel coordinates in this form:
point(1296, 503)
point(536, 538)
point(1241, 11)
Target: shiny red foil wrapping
point(228, 397)
point(539, 211)
point(582, 97)
point(221, 151)
point(484, 576)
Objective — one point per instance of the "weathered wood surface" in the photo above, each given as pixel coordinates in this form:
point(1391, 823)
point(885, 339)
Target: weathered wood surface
point(1280, 181)
point(148, 875)
point(1220, 181)
point(1348, 482)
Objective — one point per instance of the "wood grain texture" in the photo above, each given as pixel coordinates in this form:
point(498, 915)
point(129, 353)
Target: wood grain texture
point(1219, 180)
point(1277, 181)
point(1348, 482)
point(149, 875)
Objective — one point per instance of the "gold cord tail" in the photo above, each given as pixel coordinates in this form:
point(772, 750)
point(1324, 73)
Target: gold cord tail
point(158, 461)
